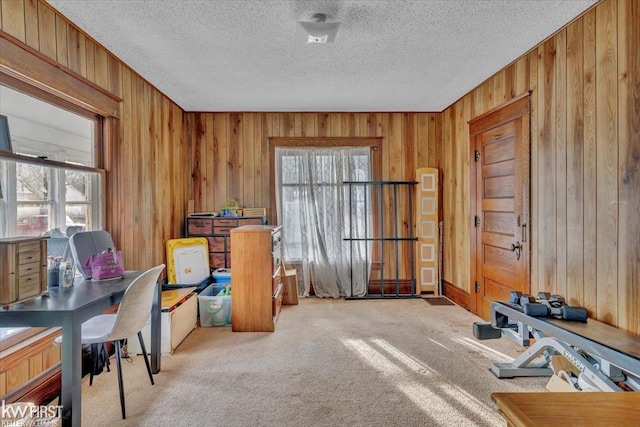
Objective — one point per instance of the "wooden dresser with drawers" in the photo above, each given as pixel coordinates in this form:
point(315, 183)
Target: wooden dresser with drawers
point(216, 230)
point(23, 269)
point(256, 288)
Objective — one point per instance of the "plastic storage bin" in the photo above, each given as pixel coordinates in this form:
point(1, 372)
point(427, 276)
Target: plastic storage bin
point(222, 275)
point(214, 310)
point(187, 260)
point(221, 278)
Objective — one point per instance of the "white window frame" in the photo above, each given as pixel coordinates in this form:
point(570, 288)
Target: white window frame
point(8, 172)
point(57, 198)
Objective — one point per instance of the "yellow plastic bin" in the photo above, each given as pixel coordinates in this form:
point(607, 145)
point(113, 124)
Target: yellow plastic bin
point(187, 260)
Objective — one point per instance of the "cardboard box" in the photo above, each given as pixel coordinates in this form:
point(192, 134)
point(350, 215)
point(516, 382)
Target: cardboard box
point(557, 384)
point(290, 287)
point(178, 318)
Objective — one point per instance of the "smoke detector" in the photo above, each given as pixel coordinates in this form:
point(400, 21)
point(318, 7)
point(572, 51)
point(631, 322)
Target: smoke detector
point(317, 30)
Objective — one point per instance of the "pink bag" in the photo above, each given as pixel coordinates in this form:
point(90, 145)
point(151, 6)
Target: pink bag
point(106, 265)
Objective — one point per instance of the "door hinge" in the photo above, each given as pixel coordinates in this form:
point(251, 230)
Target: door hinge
point(477, 287)
point(476, 221)
point(476, 155)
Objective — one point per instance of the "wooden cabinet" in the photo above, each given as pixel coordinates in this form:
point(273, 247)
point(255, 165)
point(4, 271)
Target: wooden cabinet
point(217, 231)
point(23, 269)
point(255, 278)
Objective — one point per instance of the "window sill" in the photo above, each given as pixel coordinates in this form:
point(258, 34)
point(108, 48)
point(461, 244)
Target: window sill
point(26, 344)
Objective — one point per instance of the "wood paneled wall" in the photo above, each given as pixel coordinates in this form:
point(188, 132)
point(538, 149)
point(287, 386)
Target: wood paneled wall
point(230, 151)
point(585, 124)
point(585, 158)
point(145, 159)
point(28, 362)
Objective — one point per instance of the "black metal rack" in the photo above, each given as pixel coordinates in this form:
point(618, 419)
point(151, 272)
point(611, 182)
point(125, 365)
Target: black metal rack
point(396, 239)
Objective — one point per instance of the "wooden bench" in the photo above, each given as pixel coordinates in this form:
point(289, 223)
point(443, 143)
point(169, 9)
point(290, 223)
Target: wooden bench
point(569, 409)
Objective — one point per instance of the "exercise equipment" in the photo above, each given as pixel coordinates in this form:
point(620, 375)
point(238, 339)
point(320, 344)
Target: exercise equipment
point(544, 295)
point(602, 353)
point(552, 305)
point(565, 312)
point(514, 297)
point(527, 299)
point(484, 331)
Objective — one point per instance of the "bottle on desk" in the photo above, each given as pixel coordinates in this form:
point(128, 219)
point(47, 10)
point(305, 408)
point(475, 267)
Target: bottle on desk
point(65, 275)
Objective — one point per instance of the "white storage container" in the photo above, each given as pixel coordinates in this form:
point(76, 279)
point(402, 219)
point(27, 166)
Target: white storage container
point(178, 318)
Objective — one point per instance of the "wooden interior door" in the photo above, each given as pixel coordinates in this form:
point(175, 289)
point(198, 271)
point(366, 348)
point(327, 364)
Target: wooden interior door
point(500, 145)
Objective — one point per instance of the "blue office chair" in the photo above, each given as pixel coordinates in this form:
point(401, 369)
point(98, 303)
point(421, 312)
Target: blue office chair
point(132, 315)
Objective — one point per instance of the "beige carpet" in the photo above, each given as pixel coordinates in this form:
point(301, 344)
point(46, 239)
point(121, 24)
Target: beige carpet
point(329, 363)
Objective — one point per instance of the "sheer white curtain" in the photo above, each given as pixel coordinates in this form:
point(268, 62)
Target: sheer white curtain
point(318, 212)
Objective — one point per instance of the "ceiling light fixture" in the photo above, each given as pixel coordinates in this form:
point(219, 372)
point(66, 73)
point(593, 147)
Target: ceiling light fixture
point(317, 31)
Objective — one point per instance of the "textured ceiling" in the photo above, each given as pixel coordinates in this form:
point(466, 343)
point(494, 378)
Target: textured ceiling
point(389, 55)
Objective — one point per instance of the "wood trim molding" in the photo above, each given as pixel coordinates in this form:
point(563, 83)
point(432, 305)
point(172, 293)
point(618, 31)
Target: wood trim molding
point(49, 163)
point(516, 107)
point(456, 295)
point(16, 338)
point(319, 141)
point(30, 66)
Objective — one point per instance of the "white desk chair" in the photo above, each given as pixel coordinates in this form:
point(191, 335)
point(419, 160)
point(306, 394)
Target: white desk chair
point(133, 313)
point(83, 244)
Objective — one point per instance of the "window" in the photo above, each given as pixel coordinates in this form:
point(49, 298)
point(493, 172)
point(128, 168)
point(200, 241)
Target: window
point(36, 198)
point(295, 183)
point(50, 184)
point(322, 217)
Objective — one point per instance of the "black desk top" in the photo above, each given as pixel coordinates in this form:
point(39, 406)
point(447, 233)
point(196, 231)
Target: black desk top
point(83, 294)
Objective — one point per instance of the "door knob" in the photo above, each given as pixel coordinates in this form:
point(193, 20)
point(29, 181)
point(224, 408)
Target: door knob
point(516, 248)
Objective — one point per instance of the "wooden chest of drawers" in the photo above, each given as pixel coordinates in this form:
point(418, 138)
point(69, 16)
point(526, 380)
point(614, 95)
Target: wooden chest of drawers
point(23, 269)
point(255, 278)
point(217, 231)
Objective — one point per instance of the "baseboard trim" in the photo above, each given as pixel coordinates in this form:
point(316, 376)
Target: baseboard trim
point(404, 286)
point(456, 295)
